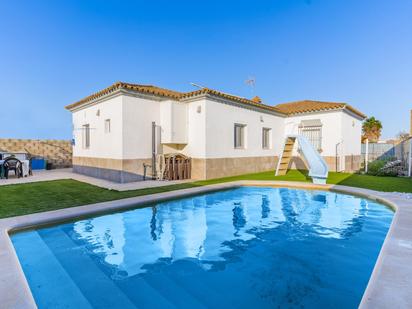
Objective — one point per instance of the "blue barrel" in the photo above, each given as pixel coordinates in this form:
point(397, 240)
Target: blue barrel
point(38, 164)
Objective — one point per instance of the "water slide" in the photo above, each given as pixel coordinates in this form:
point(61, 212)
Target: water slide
point(318, 169)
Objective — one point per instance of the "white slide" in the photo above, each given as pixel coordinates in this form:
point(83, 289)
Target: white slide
point(318, 169)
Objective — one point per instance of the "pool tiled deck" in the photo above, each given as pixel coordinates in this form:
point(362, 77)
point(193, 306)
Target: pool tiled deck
point(390, 284)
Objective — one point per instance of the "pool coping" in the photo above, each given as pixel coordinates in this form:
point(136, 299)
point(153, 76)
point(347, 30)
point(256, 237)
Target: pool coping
point(389, 285)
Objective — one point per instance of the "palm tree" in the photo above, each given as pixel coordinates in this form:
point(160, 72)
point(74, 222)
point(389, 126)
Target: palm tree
point(371, 129)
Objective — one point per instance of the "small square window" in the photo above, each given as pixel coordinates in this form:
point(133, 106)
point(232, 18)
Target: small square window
point(107, 126)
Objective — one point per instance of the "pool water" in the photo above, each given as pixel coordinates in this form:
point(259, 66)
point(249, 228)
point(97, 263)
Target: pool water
point(248, 247)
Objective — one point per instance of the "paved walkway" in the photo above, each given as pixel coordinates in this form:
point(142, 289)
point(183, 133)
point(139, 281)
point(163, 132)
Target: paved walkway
point(66, 173)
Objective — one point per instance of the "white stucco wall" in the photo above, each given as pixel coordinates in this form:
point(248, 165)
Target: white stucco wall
point(351, 134)
point(102, 145)
point(173, 122)
point(337, 127)
point(220, 121)
point(196, 129)
point(138, 115)
point(201, 128)
point(331, 129)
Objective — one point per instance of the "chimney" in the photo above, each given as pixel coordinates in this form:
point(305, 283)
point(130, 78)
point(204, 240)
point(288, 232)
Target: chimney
point(256, 99)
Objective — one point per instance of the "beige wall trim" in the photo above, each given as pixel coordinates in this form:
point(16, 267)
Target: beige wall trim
point(201, 168)
point(216, 167)
point(126, 165)
point(226, 167)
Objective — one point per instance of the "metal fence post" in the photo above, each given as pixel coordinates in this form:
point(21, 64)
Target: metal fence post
point(154, 150)
point(366, 155)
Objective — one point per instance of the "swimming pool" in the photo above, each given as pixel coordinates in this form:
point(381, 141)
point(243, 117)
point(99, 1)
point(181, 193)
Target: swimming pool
point(246, 247)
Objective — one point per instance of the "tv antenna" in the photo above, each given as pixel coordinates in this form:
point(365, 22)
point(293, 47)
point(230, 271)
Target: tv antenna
point(251, 82)
point(197, 85)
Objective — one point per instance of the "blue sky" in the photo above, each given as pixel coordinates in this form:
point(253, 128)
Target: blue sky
point(53, 53)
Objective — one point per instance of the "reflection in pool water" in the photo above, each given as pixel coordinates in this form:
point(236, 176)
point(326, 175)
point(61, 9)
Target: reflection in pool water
point(250, 246)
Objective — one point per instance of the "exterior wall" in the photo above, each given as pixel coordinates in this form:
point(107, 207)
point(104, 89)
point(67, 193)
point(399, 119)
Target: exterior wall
point(102, 145)
point(341, 139)
point(220, 121)
point(202, 129)
point(351, 133)
point(111, 169)
point(173, 122)
point(331, 129)
point(224, 167)
point(120, 154)
point(211, 140)
point(138, 115)
point(196, 137)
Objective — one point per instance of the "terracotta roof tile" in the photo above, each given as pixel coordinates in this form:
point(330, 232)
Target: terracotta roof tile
point(307, 106)
point(229, 97)
point(291, 108)
point(157, 91)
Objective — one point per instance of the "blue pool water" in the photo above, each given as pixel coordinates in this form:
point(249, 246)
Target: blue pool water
point(249, 247)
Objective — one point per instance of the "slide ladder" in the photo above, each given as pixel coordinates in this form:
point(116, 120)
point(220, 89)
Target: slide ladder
point(318, 169)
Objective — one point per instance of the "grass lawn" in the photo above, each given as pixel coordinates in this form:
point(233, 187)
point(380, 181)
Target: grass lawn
point(50, 195)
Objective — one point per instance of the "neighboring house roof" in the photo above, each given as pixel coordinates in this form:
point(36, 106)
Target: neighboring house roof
point(286, 108)
point(308, 106)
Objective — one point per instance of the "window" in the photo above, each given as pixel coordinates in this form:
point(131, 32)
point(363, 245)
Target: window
point(240, 136)
point(266, 138)
point(107, 126)
point(312, 130)
point(86, 136)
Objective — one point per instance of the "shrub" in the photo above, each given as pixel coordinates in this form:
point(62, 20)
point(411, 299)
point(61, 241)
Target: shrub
point(390, 172)
point(375, 166)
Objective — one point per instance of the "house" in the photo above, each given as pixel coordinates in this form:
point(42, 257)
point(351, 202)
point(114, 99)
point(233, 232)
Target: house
point(119, 129)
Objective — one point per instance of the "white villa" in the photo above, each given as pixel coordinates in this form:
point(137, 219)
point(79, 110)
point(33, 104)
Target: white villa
point(119, 129)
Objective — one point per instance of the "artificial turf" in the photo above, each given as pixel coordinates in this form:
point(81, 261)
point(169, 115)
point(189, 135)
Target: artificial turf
point(35, 197)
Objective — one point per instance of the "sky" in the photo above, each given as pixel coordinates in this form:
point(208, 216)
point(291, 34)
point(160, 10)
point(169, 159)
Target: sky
point(53, 53)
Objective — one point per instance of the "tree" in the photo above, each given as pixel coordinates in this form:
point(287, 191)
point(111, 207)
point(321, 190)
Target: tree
point(371, 129)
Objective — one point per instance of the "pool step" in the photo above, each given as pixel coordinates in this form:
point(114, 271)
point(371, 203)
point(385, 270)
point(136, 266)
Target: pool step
point(171, 291)
point(142, 294)
point(194, 279)
point(95, 285)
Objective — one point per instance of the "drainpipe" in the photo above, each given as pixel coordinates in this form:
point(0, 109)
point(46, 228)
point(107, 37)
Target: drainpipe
point(154, 150)
point(336, 156)
point(410, 158)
